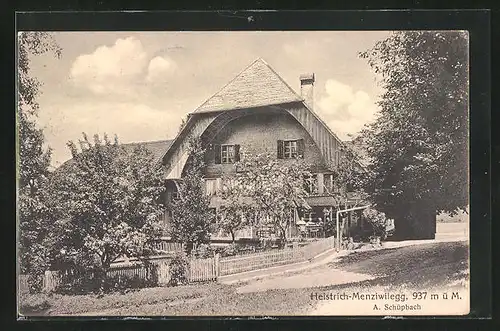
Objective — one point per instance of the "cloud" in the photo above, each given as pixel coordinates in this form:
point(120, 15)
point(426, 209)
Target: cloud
point(109, 69)
point(130, 121)
point(158, 67)
point(345, 110)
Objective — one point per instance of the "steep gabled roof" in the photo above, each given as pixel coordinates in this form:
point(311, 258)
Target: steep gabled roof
point(257, 85)
point(158, 148)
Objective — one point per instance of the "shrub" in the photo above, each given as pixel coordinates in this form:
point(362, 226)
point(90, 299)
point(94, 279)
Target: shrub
point(266, 243)
point(35, 282)
point(95, 282)
point(75, 282)
point(120, 283)
point(33, 303)
point(377, 221)
point(178, 270)
point(230, 250)
point(203, 251)
point(270, 243)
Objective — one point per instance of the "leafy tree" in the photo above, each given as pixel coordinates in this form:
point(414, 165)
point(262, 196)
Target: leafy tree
point(112, 201)
point(349, 177)
point(238, 210)
point(191, 214)
point(418, 144)
point(276, 188)
point(35, 214)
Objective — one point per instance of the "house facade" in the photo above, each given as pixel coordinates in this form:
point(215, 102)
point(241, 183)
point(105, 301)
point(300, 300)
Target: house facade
point(258, 112)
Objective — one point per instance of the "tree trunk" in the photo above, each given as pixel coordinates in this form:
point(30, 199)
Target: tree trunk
point(232, 235)
point(188, 247)
point(283, 237)
point(101, 273)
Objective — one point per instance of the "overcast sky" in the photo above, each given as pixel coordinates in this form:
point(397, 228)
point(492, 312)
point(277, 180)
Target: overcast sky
point(139, 85)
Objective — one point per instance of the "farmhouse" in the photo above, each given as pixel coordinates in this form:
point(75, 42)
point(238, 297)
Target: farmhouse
point(258, 112)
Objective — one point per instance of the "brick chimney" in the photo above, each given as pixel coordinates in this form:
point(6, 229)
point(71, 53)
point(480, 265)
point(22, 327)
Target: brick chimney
point(307, 88)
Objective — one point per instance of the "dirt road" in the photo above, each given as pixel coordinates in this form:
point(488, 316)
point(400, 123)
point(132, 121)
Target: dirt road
point(440, 265)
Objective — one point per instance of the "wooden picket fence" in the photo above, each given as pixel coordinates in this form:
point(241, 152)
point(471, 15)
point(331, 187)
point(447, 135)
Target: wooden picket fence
point(23, 284)
point(201, 270)
point(167, 246)
point(248, 262)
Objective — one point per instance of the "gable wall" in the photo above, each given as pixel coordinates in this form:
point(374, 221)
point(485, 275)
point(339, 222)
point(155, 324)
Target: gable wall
point(258, 134)
point(294, 118)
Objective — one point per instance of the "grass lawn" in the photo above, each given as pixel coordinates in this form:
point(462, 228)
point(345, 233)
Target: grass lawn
point(202, 299)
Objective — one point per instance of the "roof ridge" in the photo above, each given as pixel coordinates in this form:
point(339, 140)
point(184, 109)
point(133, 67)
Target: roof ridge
point(147, 141)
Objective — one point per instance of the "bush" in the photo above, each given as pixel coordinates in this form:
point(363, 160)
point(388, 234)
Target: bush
point(33, 303)
point(378, 224)
point(35, 282)
point(266, 243)
point(203, 251)
point(76, 282)
point(230, 250)
point(178, 270)
point(270, 243)
point(95, 282)
point(124, 284)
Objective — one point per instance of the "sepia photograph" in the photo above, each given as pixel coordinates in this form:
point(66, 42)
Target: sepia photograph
point(242, 173)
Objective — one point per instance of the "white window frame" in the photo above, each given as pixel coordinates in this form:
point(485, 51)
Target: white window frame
point(290, 149)
point(227, 154)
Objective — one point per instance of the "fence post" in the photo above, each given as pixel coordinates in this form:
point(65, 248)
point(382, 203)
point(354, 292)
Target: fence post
point(50, 281)
point(295, 251)
point(217, 265)
point(163, 273)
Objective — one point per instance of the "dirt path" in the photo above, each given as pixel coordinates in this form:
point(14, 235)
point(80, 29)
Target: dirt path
point(317, 277)
point(426, 265)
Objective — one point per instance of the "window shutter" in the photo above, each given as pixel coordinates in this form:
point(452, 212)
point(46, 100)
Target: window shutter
point(217, 154)
point(236, 153)
point(300, 148)
point(208, 154)
point(280, 149)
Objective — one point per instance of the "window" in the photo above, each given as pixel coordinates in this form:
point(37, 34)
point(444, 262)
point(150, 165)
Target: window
point(227, 154)
point(290, 149)
point(328, 183)
point(311, 184)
